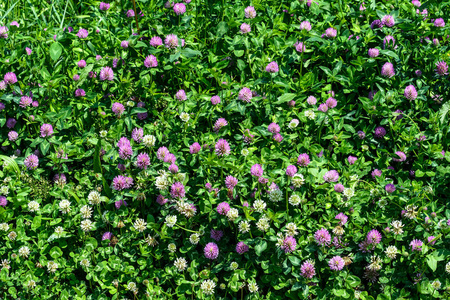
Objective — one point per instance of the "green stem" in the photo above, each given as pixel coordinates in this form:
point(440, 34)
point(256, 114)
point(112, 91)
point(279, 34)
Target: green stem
point(185, 229)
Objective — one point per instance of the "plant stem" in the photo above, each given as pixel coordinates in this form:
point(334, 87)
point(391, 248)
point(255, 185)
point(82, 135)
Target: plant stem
point(135, 15)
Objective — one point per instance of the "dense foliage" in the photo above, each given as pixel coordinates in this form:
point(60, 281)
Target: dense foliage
point(224, 149)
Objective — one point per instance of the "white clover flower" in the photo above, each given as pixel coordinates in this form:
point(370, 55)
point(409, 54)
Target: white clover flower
point(244, 227)
point(94, 198)
point(31, 284)
point(59, 230)
point(130, 103)
point(103, 133)
point(232, 214)
point(149, 141)
point(428, 189)
point(436, 284)
point(447, 267)
point(4, 226)
point(64, 206)
point(391, 252)
point(338, 230)
point(180, 177)
point(171, 221)
point(252, 287)
point(349, 192)
point(12, 235)
point(132, 286)
point(295, 200)
point(259, 205)
point(33, 206)
point(276, 195)
point(310, 114)
point(375, 263)
point(280, 240)
point(4, 190)
point(245, 152)
point(291, 229)
point(85, 262)
point(24, 251)
point(52, 266)
point(181, 264)
point(208, 286)
point(263, 224)
point(411, 212)
point(354, 177)
point(382, 203)
point(162, 183)
point(298, 180)
point(86, 212)
point(7, 179)
point(5, 264)
point(151, 241)
point(293, 123)
point(398, 227)
point(172, 247)
point(184, 117)
point(374, 192)
point(194, 238)
point(86, 225)
point(234, 265)
point(140, 225)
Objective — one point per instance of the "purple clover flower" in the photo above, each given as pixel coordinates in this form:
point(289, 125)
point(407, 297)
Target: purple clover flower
point(322, 237)
point(331, 176)
point(223, 208)
point(336, 263)
point(231, 182)
point(31, 162)
point(307, 270)
point(195, 148)
point(211, 251)
point(410, 92)
point(241, 248)
point(291, 170)
point(46, 130)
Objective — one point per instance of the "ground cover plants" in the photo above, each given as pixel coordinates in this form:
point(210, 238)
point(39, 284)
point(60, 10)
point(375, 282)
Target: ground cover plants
point(224, 149)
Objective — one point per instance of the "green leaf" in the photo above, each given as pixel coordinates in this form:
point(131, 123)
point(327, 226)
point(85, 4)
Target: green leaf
point(419, 173)
point(128, 123)
point(174, 56)
point(238, 53)
point(36, 223)
point(138, 110)
point(97, 163)
point(444, 111)
point(222, 28)
point(44, 146)
point(4, 274)
point(55, 252)
point(389, 53)
point(71, 192)
point(432, 262)
point(353, 281)
point(260, 247)
point(188, 52)
point(11, 163)
point(285, 98)
point(91, 244)
point(55, 51)
point(294, 260)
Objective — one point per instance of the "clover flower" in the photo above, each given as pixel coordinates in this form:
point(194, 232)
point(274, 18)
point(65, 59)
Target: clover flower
point(211, 251)
point(336, 263)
